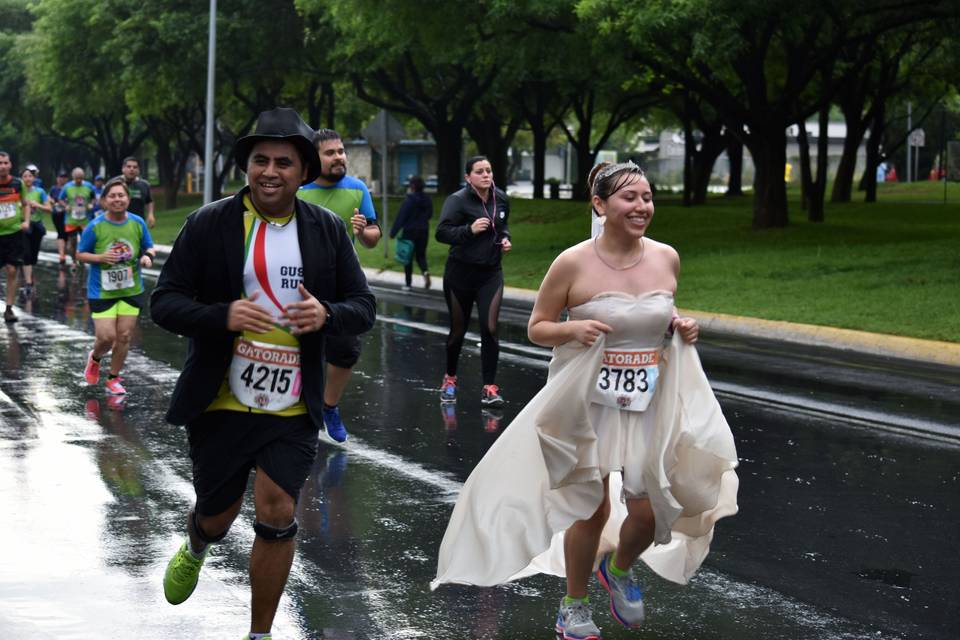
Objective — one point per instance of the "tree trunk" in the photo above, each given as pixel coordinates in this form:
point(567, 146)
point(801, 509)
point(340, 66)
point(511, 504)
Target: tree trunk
point(843, 181)
point(735, 156)
point(710, 149)
point(539, 159)
point(584, 156)
point(817, 197)
point(331, 100)
point(806, 178)
point(166, 172)
point(493, 140)
point(313, 104)
point(869, 179)
point(320, 99)
point(768, 146)
point(449, 157)
point(536, 117)
point(689, 151)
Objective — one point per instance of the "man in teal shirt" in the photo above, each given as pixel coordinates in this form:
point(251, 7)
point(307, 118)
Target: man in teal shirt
point(349, 198)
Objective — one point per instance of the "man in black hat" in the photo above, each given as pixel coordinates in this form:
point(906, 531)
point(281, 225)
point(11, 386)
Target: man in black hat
point(256, 282)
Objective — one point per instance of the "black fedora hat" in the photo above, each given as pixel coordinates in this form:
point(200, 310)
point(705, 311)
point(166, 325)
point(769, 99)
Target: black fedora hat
point(281, 124)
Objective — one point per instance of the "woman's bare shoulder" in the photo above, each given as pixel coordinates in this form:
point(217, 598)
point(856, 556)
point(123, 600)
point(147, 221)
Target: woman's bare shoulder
point(662, 248)
point(572, 255)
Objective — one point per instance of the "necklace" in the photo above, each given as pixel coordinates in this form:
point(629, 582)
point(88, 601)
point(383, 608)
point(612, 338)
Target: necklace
point(596, 250)
point(276, 225)
point(492, 194)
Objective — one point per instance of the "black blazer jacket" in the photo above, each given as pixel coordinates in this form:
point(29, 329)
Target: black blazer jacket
point(204, 274)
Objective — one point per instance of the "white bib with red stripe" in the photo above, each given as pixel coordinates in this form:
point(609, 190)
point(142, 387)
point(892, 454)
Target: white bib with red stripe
point(264, 374)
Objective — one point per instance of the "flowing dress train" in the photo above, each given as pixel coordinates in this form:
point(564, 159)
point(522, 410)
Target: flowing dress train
point(546, 470)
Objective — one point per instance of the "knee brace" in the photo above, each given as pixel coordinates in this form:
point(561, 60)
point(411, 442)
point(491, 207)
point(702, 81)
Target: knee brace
point(272, 534)
point(197, 529)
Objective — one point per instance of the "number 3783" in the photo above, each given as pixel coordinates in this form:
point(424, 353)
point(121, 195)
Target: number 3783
point(626, 380)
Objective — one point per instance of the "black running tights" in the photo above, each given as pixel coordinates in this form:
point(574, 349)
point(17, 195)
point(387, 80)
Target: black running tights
point(463, 285)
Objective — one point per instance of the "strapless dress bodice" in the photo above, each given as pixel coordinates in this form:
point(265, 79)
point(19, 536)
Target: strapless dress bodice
point(637, 321)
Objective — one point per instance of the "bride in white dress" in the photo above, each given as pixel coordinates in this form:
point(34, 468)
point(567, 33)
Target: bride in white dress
point(624, 453)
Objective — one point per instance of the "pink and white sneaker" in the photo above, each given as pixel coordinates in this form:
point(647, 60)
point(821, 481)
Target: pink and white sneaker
point(114, 387)
point(92, 371)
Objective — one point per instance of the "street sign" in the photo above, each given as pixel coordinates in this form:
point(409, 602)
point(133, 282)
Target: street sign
point(375, 133)
point(917, 138)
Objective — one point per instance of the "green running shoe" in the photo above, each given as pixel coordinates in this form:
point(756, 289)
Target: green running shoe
point(247, 637)
point(183, 572)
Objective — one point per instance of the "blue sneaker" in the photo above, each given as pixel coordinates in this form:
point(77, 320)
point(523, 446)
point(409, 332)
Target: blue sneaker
point(626, 597)
point(334, 425)
point(448, 390)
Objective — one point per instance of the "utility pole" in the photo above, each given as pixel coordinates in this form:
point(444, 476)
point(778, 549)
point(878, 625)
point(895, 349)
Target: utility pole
point(383, 179)
point(208, 168)
point(909, 128)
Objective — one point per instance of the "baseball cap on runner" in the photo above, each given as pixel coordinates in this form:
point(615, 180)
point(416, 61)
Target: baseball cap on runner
point(281, 124)
point(32, 168)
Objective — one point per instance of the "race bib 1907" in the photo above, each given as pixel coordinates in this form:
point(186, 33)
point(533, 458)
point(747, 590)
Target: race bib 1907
point(265, 376)
point(116, 278)
point(627, 379)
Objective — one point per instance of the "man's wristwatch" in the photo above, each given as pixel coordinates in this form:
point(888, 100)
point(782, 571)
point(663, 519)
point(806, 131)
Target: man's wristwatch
point(329, 310)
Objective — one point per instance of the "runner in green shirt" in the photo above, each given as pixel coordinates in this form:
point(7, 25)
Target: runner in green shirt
point(117, 244)
point(14, 220)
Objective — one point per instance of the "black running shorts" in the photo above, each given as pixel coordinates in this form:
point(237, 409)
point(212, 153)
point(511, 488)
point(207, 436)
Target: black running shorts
point(11, 249)
point(342, 351)
point(226, 445)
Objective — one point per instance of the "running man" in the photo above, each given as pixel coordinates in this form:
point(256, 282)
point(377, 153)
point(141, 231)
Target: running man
point(78, 197)
point(59, 215)
point(350, 199)
point(14, 222)
point(256, 312)
point(98, 184)
point(36, 198)
point(140, 199)
point(117, 244)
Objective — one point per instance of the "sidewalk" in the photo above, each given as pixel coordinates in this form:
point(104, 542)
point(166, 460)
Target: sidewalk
point(930, 351)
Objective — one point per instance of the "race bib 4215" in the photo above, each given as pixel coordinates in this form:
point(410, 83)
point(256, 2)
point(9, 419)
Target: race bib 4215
point(265, 376)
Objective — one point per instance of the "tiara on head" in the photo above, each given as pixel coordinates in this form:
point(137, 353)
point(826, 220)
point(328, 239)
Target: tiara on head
point(612, 169)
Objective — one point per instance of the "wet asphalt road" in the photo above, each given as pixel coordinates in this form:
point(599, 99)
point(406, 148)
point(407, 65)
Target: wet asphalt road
point(849, 524)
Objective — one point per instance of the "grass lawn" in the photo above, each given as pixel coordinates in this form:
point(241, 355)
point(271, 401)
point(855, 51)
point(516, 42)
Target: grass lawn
point(889, 267)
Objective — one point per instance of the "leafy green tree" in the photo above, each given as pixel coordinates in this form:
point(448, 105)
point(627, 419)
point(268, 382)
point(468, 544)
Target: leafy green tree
point(431, 60)
point(914, 62)
point(83, 92)
point(754, 62)
point(163, 60)
point(493, 124)
point(539, 79)
point(14, 33)
point(814, 188)
point(700, 151)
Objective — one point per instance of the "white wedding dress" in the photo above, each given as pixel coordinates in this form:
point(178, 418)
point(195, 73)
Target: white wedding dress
point(545, 471)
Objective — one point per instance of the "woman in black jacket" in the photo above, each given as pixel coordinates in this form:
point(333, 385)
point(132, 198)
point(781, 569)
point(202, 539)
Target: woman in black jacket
point(474, 222)
point(413, 220)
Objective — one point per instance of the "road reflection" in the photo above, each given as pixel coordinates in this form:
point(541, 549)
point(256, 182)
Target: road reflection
point(840, 533)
